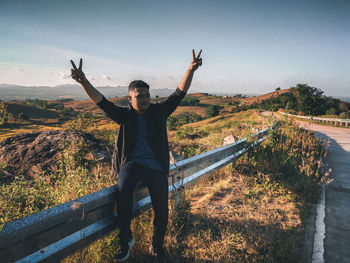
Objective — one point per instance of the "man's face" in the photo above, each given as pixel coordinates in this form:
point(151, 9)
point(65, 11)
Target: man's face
point(140, 99)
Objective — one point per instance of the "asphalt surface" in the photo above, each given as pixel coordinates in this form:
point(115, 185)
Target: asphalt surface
point(336, 239)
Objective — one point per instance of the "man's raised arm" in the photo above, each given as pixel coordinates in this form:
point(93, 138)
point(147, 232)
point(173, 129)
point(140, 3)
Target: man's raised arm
point(79, 76)
point(170, 104)
point(187, 79)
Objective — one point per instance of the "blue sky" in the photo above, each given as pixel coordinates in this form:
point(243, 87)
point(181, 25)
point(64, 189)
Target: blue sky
point(248, 46)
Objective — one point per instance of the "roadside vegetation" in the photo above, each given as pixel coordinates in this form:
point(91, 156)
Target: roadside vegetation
point(251, 211)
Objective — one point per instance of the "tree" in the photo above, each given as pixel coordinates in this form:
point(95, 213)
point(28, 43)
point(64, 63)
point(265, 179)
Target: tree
point(22, 116)
point(172, 123)
point(331, 111)
point(3, 113)
point(211, 111)
point(310, 100)
point(188, 101)
point(343, 106)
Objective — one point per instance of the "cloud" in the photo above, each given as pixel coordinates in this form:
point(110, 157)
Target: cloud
point(107, 77)
point(61, 75)
point(18, 69)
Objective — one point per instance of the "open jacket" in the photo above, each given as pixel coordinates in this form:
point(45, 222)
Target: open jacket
point(126, 117)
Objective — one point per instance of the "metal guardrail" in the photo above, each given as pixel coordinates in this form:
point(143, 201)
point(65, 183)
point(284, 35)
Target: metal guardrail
point(55, 233)
point(346, 122)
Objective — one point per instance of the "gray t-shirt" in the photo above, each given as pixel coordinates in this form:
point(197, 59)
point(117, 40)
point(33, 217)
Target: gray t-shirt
point(142, 152)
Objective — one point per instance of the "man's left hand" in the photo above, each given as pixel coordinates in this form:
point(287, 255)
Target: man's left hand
point(196, 60)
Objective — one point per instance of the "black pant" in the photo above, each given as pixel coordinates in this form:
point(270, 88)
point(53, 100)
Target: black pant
point(130, 174)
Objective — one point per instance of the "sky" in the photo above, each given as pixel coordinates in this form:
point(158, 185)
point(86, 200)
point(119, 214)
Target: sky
point(248, 46)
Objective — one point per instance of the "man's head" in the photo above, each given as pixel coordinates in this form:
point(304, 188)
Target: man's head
point(139, 96)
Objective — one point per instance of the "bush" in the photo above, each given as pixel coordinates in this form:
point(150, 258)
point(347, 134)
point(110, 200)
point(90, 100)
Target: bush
point(188, 101)
point(107, 135)
point(73, 155)
point(189, 117)
point(3, 113)
point(84, 122)
point(331, 111)
point(23, 116)
point(211, 111)
point(174, 122)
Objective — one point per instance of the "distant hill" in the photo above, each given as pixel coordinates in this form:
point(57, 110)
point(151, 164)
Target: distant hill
point(31, 111)
point(258, 99)
point(346, 99)
point(15, 92)
point(301, 99)
point(89, 106)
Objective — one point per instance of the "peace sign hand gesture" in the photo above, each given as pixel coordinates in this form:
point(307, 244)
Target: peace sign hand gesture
point(77, 73)
point(196, 61)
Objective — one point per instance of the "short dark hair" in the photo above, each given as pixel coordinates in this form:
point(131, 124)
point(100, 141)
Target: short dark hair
point(138, 84)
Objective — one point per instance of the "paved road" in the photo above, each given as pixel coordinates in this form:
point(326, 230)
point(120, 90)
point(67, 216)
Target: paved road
point(336, 243)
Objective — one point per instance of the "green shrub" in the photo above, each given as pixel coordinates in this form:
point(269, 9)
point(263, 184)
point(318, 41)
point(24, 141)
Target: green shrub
point(107, 135)
point(292, 156)
point(188, 132)
point(189, 101)
point(184, 132)
point(3, 113)
point(84, 122)
point(211, 111)
point(173, 123)
point(331, 111)
point(23, 116)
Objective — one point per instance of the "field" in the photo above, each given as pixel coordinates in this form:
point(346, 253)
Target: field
point(251, 211)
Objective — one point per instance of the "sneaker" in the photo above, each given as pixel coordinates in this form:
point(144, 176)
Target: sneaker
point(124, 252)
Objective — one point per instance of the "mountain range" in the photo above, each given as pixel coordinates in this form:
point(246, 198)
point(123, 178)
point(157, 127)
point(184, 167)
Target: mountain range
point(16, 92)
point(76, 92)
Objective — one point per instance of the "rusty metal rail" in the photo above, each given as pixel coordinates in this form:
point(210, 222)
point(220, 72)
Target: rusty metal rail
point(55, 233)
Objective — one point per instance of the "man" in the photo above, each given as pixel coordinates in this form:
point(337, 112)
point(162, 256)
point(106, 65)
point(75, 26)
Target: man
point(142, 151)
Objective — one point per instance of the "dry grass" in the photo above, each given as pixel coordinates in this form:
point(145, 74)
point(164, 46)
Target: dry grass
point(253, 211)
point(195, 109)
point(252, 100)
point(228, 218)
point(208, 134)
point(248, 212)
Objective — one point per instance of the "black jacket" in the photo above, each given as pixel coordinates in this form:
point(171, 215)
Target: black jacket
point(127, 119)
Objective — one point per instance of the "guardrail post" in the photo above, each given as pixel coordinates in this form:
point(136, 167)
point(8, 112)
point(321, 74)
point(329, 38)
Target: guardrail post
point(178, 195)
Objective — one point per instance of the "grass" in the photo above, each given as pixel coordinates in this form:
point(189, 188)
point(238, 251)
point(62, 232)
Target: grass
point(251, 211)
point(194, 138)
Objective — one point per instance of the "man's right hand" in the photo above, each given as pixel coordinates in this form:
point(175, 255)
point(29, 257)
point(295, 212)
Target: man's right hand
point(77, 73)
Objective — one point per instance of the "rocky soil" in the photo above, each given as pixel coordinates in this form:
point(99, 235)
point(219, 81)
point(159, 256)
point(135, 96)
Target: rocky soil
point(29, 154)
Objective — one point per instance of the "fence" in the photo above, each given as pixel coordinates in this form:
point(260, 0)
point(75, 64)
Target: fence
point(55, 233)
point(335, 121)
